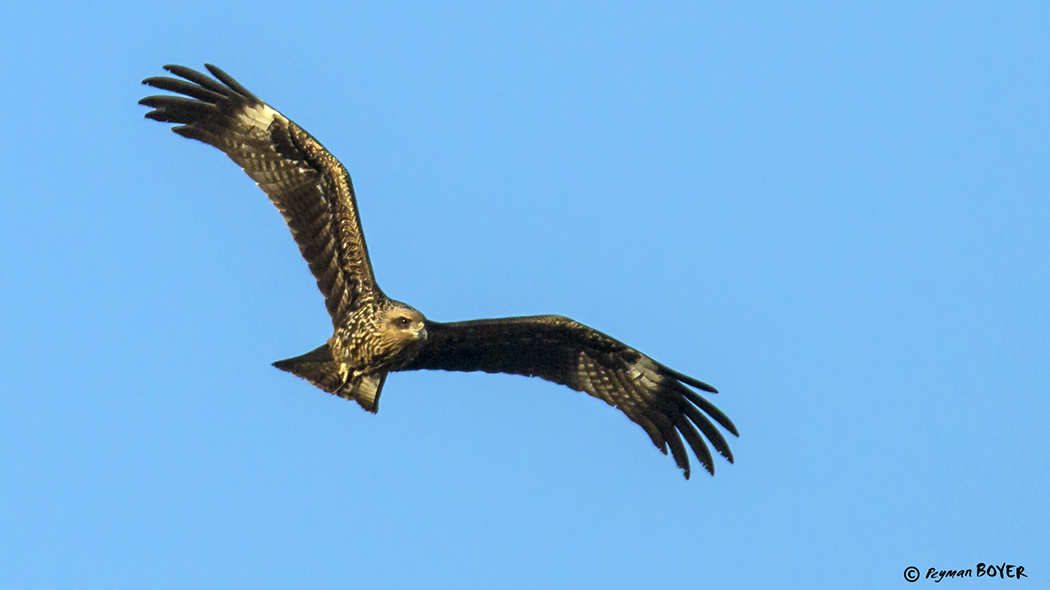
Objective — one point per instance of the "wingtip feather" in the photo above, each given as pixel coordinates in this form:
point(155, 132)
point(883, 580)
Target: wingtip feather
point(696, 442)
point(230, 81)
point(691, 381)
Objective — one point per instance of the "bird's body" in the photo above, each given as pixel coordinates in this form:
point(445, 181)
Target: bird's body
point(374, 335)
point(378, 336)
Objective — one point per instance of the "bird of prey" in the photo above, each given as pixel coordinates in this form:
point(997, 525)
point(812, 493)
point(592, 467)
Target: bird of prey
point(374, 335)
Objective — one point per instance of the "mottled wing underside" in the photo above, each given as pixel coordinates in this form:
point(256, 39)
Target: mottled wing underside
point(561, 350)
point(308, 185)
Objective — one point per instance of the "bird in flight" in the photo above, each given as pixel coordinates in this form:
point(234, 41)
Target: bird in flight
point(374, 335)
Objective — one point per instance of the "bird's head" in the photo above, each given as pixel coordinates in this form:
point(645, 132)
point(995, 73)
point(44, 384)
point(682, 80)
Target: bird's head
point(403, 323)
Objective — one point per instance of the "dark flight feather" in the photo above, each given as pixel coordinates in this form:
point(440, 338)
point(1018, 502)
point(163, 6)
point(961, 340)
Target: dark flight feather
point(375, 335)
point(567, 352)
point(310, 187)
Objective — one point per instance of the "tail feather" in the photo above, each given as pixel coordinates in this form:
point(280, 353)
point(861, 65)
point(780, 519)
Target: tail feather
point(320, 369)
point(366, 390)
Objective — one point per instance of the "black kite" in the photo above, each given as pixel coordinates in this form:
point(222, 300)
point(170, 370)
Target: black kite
point(373, 334)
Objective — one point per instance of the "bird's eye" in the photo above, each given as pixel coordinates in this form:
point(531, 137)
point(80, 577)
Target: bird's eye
point(403, 322)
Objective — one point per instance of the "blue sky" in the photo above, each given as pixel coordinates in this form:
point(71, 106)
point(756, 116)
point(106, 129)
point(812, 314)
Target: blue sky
point(836, 214)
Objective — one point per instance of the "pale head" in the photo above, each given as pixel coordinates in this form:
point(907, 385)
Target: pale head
point(399, 322)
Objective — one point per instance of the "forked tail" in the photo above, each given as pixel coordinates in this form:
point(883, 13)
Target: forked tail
point(320, 369)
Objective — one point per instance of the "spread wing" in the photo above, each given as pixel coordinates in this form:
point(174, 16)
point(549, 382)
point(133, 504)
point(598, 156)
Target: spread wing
point(308, 185)
point(561, 350)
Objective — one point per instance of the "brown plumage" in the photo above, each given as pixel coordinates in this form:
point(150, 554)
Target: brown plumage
point(374, 335)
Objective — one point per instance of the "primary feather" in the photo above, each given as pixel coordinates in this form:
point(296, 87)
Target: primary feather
point(310, 188)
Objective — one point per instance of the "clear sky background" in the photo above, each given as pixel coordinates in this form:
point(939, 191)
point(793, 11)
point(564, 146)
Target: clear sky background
point(836, 213)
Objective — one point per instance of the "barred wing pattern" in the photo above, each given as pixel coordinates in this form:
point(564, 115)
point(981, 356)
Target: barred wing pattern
point(304, 181)
point(564, 351)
